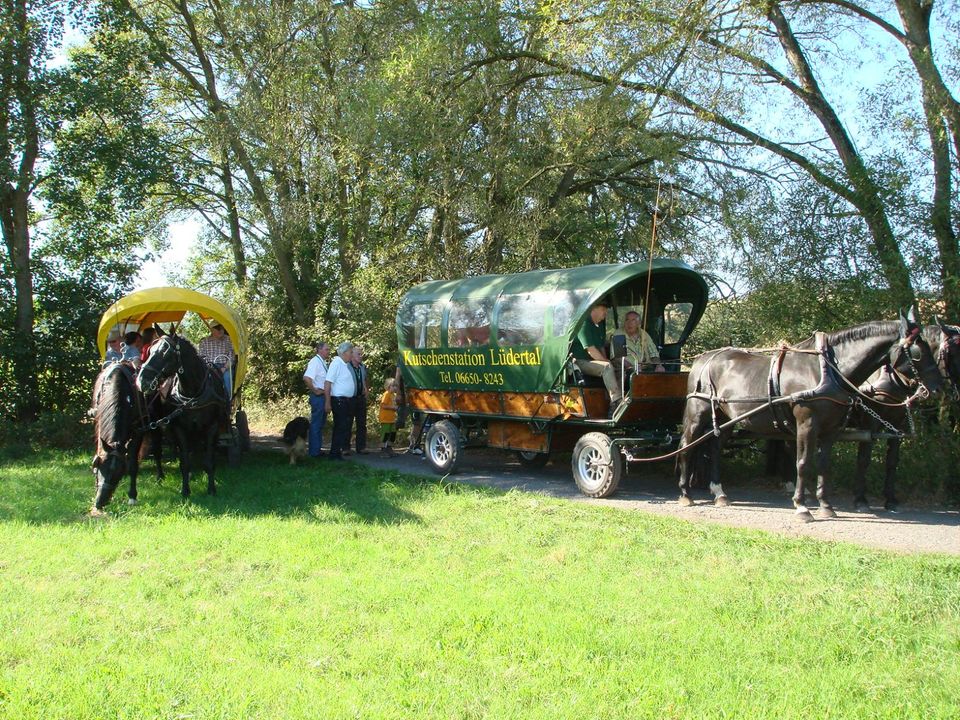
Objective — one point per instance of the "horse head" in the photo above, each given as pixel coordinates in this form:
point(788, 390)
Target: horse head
point(912, 356)
point(949, 353)
point(114, 399)
point(163, 362)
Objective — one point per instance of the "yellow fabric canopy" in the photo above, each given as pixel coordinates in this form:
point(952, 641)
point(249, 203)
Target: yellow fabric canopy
point(170, 304)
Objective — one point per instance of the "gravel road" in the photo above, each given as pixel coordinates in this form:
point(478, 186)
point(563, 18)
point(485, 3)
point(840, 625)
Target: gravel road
point(652, 489)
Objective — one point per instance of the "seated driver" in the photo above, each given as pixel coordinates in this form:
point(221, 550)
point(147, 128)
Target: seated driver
point(589, 353)
point(633, 348)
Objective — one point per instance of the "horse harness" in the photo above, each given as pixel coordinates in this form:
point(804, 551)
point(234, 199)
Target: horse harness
point(831, 384)
point(211, 393)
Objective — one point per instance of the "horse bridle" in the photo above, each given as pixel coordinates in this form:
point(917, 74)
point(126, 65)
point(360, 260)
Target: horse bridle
point(154, 383)
point(914, 353)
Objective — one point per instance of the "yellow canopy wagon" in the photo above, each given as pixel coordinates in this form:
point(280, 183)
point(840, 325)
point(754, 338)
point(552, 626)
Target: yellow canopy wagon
point(165, 305)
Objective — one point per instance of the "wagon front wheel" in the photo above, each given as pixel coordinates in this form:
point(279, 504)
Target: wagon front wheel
point(597, 468)
point(444, 447)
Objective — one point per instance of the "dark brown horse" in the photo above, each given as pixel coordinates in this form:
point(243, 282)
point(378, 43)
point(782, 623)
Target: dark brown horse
point(194, 408)
point(889, 390)
point(805, 395)
point(118, 432)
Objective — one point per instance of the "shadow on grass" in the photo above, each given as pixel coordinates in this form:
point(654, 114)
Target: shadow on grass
point(57, 488)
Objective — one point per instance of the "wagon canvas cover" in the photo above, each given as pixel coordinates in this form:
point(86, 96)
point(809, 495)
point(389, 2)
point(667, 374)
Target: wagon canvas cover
point(514, 332)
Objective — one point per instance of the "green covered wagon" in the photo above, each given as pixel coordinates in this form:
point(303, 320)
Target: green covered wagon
point(489, 359)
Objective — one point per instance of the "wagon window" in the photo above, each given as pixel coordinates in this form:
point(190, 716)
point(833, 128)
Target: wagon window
point(522, 318)
point(421, 324)
point(675, 317)
point(469, 323)
point(565, 304)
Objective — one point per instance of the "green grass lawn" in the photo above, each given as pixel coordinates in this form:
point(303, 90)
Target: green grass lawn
point(334, 592)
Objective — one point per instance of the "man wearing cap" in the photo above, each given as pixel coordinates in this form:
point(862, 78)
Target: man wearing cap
point(114, 347)
point(339, 390)
point(315, 377)
point(217, 349)
point(590, 355)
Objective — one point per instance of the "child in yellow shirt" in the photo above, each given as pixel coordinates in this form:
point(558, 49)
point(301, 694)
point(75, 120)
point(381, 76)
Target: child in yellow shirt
point(388, 417)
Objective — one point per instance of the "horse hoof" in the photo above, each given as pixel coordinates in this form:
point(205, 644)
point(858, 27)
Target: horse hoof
point(892, 508)
point(861, 506)
point(803, 515)
point(131, 501)
point(96, 512)
point(827, 513)
point(685, 501)
point(722, 501)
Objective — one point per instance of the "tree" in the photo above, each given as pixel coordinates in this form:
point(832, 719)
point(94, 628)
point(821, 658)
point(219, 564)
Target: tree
point(79, 153)
point(27, 31)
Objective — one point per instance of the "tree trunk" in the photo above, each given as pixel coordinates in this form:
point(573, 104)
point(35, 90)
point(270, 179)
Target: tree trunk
point(15, 199)
point(14, 210)
point(233, 220)
point(942, 114)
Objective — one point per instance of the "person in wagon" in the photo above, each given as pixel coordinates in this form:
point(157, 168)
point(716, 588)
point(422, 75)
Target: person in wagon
point(590, 355)
point(217, 349)
point(114, 347)
point(133, 341)
point(632, 347)
point(149, 337)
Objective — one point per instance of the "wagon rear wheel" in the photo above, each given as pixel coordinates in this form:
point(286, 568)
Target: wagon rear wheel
point(597, 468)
point(243, 427)
point(444, 447)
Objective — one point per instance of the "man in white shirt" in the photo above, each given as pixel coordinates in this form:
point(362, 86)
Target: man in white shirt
point(315, 377)
point(339, 388)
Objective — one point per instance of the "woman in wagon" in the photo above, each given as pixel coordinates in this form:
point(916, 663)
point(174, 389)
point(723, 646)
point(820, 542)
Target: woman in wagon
point(589, 352)
point(632, 347)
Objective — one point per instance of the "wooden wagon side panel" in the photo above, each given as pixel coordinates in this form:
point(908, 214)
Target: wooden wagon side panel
point(657, 396)
point(516, 435)
point(430, 400)
point(477, 402)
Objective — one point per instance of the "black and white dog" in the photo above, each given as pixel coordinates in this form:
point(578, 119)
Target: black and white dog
point(295, 438)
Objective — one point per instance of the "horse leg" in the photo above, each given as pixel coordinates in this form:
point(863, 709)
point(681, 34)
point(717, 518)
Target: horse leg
point(209, 457)
point(694, 423)
point(806, 468)
point(156, 442)
point(864, 451)
point(893, 460)
point(134, 456)
point(183, 450)
point(713, 471)
point(823, 479)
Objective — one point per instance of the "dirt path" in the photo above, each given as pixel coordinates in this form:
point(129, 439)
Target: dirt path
point(650, 489)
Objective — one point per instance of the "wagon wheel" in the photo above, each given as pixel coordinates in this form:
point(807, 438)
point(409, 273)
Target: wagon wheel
point(597, 468)
point(532, 459)
point(444, 447)
point(243, 428)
